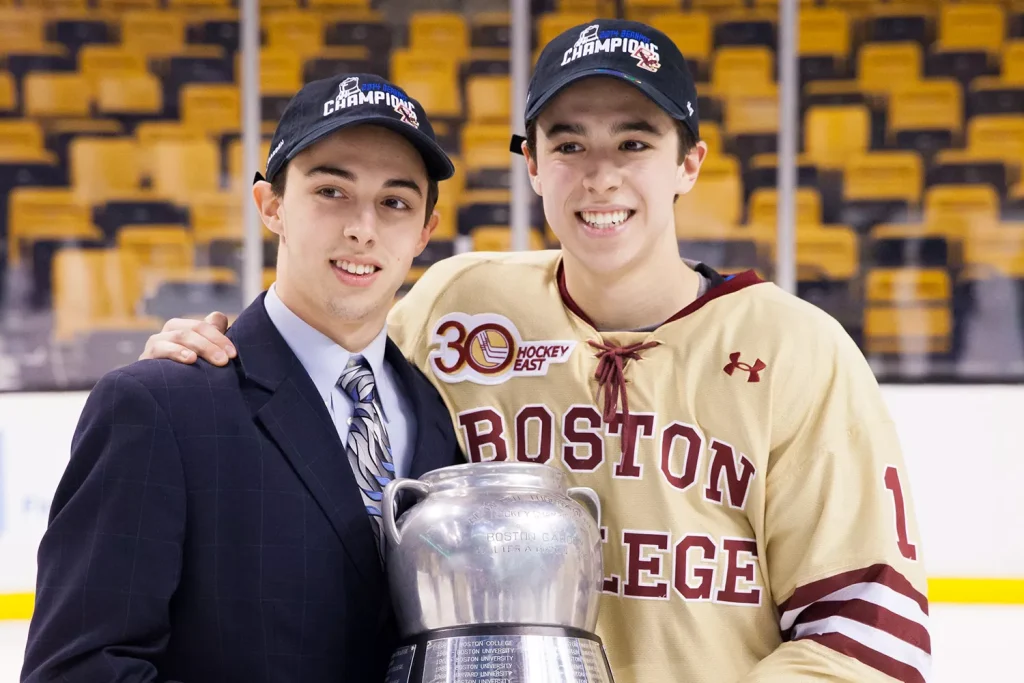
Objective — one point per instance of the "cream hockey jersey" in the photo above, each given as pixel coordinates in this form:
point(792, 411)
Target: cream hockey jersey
point(756, 516)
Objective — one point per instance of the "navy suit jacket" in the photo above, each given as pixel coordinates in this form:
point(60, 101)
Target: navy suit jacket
point(208, 528)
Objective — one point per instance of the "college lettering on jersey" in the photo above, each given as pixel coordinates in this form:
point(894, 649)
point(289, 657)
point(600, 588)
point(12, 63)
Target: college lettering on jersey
point(693, 566)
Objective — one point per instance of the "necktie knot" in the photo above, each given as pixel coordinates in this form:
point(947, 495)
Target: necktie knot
point(357, 381)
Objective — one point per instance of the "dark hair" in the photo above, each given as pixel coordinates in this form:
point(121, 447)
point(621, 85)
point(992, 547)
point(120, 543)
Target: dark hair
point(687, 141)
point(278, 184)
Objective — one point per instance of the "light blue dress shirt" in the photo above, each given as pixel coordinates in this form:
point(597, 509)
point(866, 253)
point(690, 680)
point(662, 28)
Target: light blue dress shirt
point(324, 361)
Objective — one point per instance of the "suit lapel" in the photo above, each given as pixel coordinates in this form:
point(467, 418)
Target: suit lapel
point(434, 445)
point(296, 418)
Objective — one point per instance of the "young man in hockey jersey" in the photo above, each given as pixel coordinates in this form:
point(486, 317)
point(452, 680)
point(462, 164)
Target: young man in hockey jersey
point(758, 525)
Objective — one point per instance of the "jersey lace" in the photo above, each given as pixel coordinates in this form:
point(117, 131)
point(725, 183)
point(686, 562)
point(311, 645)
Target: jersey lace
point(611, 382)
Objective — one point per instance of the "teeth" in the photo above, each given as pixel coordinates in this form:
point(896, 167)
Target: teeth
point(355, 269)
point(602, 219)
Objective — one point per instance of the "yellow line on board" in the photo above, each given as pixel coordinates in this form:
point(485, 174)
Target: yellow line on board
point(18, 606)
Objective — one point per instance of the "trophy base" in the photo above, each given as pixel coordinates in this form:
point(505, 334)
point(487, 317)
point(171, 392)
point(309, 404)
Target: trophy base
point(501, 653)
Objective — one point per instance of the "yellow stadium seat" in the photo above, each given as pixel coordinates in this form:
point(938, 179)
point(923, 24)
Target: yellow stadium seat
point(824, 32)
point(57, 94)
point(216, 216)
point(157, 247)
point(154, 34)
point(446, 32)
point(216, 108)
point(302, 32)
point(833, 133)
point(753, 110)
point(129, 94)
point(122, 5)
point(715, 200)
point(485, 146)
point(884, 175)
point(98, 61)
point(690, 31)
point(21, 30)
point(735, 70)
point(349, 7)
point(280, 71)
point(489, 99)
point(407, 66)
point(826, 253)
point(448, 215)
point(881, 67)
point(764, 206)
point(37, 213)
point(971, 27)
point(21, 133)
point(104, 168)
point(932, 104)
point(646, 10)
point(8, 92)
point(438, 94)
point(181, 168)
point(711, 134)
point(717, 8)
point(205, 6)
point(593, 8)
point(499, 238)
point(91, 286)
point(999, 136)
point(551, 24)
point(907, 311)
point(1013, 62)
point(238, 175)
point(972, 207)
point(996, 251)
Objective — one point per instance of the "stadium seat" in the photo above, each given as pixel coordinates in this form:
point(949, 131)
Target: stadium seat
point(238, 175)
point(551, 24)
point(485, 155)
point(104, 168)
point(45, 213)
point(302, 32)
point(824, 32)
point(963, 208)
point(691, 31)
point(499, 238)
point(925, 113)
point(215, 108)
point(764, 206)
point(438, 93)
point(444, 32)
point(280, 71)
point(57, 95)
point(996, 251)
point(997, 137)
point(99, 61)
point(883, 67)
point(216, 216)
point(1013, 63)
point(135, 95)
point(157, 248)
point(826, 254)
point(753, 111)
point(20, 133)
point(182, 168)
point(646, 10)
point(716, 200)
point(91, 286)
point(915, 245)
point(153, 33)
point(884, 175)
point(21, 30)
point(8, 93)
point(966, 27)
point(489, 99)
point(735, 70)
point(832, 134)
point(908, 311)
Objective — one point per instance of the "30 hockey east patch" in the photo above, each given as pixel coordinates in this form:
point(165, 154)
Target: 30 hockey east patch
point(487, 348)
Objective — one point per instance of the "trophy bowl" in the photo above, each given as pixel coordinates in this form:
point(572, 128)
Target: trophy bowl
point(495, 574)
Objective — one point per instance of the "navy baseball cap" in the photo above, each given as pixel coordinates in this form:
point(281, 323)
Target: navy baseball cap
point(636, 53)
point(325, 106)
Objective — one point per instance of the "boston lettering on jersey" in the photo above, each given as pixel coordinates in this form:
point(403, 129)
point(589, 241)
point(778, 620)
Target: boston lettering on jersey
point(700, 568)
point(593, 41)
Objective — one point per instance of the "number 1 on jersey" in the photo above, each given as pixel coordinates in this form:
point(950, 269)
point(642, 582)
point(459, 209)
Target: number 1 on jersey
point(892, 482)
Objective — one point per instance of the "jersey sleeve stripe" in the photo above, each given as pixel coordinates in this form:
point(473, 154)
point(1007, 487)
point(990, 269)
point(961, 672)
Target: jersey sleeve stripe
point(878, 573)
point(875, 593)
point(884, 662)
point(867, 613)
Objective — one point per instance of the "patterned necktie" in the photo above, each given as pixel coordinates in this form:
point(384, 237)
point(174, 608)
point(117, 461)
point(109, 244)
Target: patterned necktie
point(368, 446)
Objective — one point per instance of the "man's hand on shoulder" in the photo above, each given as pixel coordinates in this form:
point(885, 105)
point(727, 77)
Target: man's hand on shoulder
point(184, 340)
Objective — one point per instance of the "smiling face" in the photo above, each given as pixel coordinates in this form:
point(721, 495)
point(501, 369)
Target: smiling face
point(607, 164)
point(351, 219)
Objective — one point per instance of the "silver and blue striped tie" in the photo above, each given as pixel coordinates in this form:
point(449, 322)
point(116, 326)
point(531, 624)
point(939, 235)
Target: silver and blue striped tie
point(368, 446)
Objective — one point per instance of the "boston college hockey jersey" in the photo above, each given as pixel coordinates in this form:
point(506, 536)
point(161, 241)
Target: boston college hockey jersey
point(756, 517)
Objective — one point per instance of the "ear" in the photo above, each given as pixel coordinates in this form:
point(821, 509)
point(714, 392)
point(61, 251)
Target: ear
point(686, 174)
point(531, 168)
point(270, 207)
point(427, 231)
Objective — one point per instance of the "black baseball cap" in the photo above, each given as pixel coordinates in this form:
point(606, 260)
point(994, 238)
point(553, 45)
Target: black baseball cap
point(325, 106)
point(639, 54)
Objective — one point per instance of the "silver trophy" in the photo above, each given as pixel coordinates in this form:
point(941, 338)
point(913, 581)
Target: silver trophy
point(495, 574)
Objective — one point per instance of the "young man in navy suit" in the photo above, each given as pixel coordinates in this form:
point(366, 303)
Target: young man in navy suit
point(221, 524)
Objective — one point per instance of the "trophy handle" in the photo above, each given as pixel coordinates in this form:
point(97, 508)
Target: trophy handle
point(391, 492)
point(588, 499)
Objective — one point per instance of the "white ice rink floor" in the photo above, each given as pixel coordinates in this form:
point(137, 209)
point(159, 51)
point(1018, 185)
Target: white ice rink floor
point(968, 644)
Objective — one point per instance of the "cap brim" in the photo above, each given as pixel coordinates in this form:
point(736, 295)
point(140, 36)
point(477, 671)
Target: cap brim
point(542, 100)
point(439, 166)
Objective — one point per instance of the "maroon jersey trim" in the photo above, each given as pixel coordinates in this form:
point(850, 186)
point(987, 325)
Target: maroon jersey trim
point(740, 281)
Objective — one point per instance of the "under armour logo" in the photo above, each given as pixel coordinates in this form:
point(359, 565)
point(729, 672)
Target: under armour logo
point(753, 371)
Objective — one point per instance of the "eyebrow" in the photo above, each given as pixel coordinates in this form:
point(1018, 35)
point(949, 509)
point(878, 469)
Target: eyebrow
point(407, 183)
